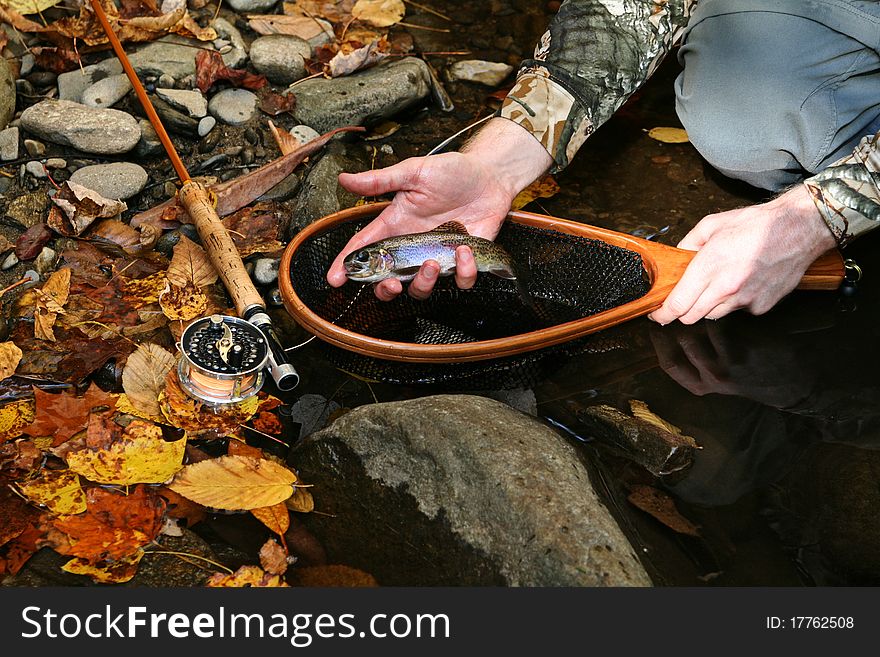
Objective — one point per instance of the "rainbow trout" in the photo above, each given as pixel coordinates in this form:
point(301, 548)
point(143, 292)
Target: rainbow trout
point(401, 256)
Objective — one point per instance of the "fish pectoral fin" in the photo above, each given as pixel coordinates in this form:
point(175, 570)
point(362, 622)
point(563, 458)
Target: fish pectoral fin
point(407, 271)
point(451, 227)
point(503, 272)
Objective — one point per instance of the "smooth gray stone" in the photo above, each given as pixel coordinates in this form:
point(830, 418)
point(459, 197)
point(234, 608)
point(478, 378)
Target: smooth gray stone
point(266, 270)
point(191, 102)
point(36, 169)
point(233, 106)
point(281, 58)
point(72, 84)
point(34, 148)
point(9, 261)
point(9, 144)
point(363, 97)
point(477, 70)
point(482, 495)
point(303, 133)
point(252, 6)
point(149, 144)
point(107, 92)
point(45, 261)
point(237, 57)
point(206, 125)
point(7, 93)
point(91, 130)
point(118, 180)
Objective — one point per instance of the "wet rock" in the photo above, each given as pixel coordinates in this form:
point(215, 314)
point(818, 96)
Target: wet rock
point(362, 97)
point(233, 106)
point(42, 78)
point(7, 93)
point(191, 102)
point(35, 169)
point(166, 81)
point(173, 120)
point(486, 495)
point(252, 6)
point(149, 144)
point(27, 65)
point(9, 144)
point(206, 125)
point(27, 209)
point(281, 58)
point(45, 261)
point(25, 88)
point(266, 270)
point(161, 570)
point(237, 56)
point(92, 130)
point(321, 193)
point(166, 243)
point(34, 148)
point(71, 85)
point(476, 70)
point(107, 92)
point(118, 180)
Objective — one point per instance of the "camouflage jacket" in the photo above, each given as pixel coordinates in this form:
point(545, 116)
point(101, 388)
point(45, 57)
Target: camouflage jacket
point(596, 53)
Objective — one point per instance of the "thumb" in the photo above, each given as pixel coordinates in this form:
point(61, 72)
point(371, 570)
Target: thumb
point(400, 176)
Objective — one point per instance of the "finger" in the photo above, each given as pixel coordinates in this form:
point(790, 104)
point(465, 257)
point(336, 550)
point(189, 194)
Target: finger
point(402, 175)
point(699, 234)
point(723, 309)
point(422, 285)
point(374, 231)
point(710, 299)
point(682, 297)
point(465, 268)
point(388, 289)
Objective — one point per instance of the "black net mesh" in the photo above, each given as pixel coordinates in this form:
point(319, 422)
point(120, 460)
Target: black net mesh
point(562, 278)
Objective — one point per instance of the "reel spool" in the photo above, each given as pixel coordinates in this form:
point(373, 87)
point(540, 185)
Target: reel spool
point(222, 359)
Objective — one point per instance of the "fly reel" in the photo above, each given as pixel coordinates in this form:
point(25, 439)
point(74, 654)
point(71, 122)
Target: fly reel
point(222, 360)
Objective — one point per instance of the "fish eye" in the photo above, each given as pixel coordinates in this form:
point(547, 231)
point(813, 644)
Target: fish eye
point(362, 256)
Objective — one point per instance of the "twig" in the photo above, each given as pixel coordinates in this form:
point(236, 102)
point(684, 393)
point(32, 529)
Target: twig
point(192, 556)
point(308, 77)
point(24, 280)
point(263, 433)
point(428, 9)
point(424, 27)
point(216, 13)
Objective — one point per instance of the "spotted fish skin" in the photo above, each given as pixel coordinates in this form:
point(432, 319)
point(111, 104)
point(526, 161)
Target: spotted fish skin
point(401, 256)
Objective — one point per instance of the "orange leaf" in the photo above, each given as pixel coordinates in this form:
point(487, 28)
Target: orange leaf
point(273, 557)
point(246, 576)
point(275, 517)
point(63, 415)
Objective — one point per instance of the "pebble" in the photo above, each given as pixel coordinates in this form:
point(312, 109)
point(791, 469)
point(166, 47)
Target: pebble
point(25, 88)
point(107, 92)
point(166, 243)
point(36, 169)
point(34, 148)
point(56, 163)
point(33, 277)
point(89, 129)
point(213, 162)
point(27, 64)
point(252, 6)
point(266, 270)
point(233, 106)
point(149, 144)
point(247, 155)
point(387, 149)
point(7, 93)
point(9, 262)
point(166, 80)
point(42, 78)
point(477, 70)
point(206, 125)
point(117, 180)
point(237, 56)
point(9, 144)
point(280, 57)
point(191, 102)
point(252, 136)
point(303, 133)
point(45, 262)
point(72, 84)
point(170, 189)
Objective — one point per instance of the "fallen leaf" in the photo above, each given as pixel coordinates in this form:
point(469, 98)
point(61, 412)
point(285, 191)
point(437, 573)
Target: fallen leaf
point(29, 6)
point(78, 206)
point(62, 415)
point(5, 244)
point(335, 11)
point(640, 410)
point(301, 501)
point(312, 411)
point(254, 229)
point(49, 303)
point(658, 504)
point(117, 571)
point(132, 241)
point(21, 457)
point(235, 483)
point(544, 187)
point(15, 514)
point(275, 517)
point(113, 526)
point(58, 490)
point(144, 377)
point(347, 62)
point(273, 558)
point(381, 13)
point(210, 69)
point(183, 303)
point(669, 135)
point(274, 104)
point(31, 242)
point(137, 455)
point(10, 357)
point(181, 508)
point(246, 576)
point(14, 417)
point(239, 448)
point(55, 59)
point(267, 422)
point(190, 265)
point(331, 575)
point(15, 554)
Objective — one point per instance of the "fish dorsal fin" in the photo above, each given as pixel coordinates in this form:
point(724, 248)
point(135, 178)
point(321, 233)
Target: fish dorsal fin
point(451, 227)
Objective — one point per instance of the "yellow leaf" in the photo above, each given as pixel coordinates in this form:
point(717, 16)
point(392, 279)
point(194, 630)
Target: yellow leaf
point(143, 291)
point(140, 456)
point(58, 490)
point(190, 264)
point(246, 576)
point(10, 356)
point(184, 303)
point(15, 416)
point(640, 410)
point(669, 135)
point(144, 377)
point(380, 13)
point(234, 483)
point(29, 6)
point(275, 517)
point(49, 303)
point(544, 187)
point(301, 501)
point(106, 572)
point(124, 405)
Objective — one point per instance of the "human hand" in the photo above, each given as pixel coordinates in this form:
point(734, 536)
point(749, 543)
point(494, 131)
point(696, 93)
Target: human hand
point(474, 187)
point(747, 258)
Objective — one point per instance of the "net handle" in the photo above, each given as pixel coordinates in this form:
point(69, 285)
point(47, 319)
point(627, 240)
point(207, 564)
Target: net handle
point(664, 265)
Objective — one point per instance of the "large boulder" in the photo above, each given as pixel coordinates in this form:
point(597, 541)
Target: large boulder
point(460, 490)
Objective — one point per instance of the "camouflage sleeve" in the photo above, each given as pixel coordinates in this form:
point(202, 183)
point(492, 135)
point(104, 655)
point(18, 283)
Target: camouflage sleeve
point(593, 56)
point(848, 192)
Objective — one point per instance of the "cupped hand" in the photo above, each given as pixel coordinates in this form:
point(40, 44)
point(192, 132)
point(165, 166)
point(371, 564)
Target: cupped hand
point(747, 258)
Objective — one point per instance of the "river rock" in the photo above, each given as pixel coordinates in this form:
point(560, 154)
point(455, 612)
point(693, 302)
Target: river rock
point(206, 125)
point(191, 102)
point(9, 144)
point(362, 97)
point(266, 270)
point(118, 180)
point(252, 6)
point(303, 133)
point(149, 144)
point(233, 106)
point(171, 55)
point(35, 169)
point(280, 57)
point(71, 85)
point(476, 70)
point(107, 92)
point(7, 93)
point(237, 57)
point(321, 194)
point(477, 494)
point(91, 130)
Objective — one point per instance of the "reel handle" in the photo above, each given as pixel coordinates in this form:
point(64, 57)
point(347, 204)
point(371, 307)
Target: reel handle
point(222, 252)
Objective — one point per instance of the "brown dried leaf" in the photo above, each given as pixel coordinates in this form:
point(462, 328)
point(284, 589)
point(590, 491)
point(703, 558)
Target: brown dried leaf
point(544, 187)
point(49, 303)
point(106, 571)
point(255, 229)
point(658, 504)
point(381, 13)
point(246, 576)
point(14, 555)
point(210, 69)
point(62, 415)
point(273, 557)
point(183, 303)
point(128, 239)
point(78, 207)
point(190, 265)
point(275, 517)
point(669, 135)
point(144, 377)
point(301, 501)
point(348, 61)
point(302, 26)
point(235, 483)
point(274, 104)
point(199, 420)
point(10, 357)
point(182, 508)
point(335, 11)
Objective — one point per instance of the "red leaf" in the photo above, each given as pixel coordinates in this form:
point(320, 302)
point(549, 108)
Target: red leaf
point(210, 68)
point(63, 415)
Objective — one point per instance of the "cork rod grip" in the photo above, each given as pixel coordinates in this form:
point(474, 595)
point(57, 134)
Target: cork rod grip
point(219, 245)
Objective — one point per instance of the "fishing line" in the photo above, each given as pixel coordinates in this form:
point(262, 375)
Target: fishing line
point(344, 310)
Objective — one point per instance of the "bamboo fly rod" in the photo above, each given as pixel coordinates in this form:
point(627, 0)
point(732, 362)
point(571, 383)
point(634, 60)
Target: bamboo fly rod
point(199, 205)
